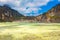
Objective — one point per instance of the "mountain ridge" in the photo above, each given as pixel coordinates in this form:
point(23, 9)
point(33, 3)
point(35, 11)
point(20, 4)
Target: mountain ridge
point(51, 16)
point(8, 14)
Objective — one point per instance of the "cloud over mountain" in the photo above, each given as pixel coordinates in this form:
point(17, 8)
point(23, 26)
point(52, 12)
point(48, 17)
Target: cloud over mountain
point(25, 6)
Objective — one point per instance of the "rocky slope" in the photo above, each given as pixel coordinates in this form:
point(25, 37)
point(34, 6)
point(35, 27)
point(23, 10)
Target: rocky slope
point(8, 14)
point(53, 15)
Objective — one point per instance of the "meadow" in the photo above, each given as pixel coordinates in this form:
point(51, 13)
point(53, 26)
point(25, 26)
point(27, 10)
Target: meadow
point(29, 31)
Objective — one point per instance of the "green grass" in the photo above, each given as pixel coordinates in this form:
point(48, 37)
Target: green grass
point(29, 31)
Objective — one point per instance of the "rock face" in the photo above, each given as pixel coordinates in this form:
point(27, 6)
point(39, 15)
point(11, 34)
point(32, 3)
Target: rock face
point(8, 14)
point(52, 16)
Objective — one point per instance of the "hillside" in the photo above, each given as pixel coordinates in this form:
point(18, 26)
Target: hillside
point(8, 14)
point(53, 15)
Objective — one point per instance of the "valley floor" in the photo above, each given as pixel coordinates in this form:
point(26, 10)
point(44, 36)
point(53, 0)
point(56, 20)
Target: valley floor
point(29, 31)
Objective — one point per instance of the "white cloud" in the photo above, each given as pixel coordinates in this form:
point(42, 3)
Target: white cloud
point(21, 5)
point(13, 2)
point(35, 10)
point(33, 6)
point(5, 1)
point(37, 3)
point(2, 0)
point(30, 4)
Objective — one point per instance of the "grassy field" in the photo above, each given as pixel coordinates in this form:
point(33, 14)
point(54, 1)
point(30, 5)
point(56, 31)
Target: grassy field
point(29, 31)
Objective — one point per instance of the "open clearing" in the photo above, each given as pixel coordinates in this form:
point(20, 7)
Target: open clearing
point(29, 31)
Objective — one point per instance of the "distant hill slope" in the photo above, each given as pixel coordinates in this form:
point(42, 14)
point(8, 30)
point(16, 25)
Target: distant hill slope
point(8, 14)
point(53, 15)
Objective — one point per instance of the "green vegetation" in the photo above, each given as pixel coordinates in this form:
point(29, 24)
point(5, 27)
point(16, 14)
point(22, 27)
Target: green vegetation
point(29, 31)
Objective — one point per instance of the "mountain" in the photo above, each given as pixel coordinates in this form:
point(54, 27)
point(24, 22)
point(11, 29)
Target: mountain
point(8, 14)
point(52, 16)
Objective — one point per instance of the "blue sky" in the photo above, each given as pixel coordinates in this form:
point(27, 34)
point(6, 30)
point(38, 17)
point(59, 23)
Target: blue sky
point(30, 7)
